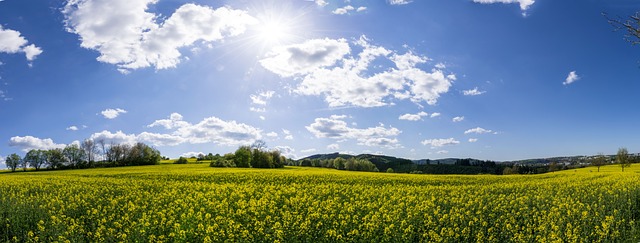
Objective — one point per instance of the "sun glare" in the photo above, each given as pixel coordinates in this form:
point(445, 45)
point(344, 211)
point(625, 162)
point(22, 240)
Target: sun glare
point(278, 24)
point(274, 31)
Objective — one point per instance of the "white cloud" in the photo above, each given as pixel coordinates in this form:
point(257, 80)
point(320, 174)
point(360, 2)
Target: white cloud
point(309, 56)
point(126, 35)
point(12, 41)
point(399, 2)
point(262, 118)
point(72, 128)
point(440, 142)
point(262, 97)
point(112, 113)
point(473, 92)
point(209, 130)
point(477, 130)
point(343, 10)
point(333, 146)
point(435, 114)
point(458, 119)
point(473, 140)
point(336, 128)
point(328, 68)
point(321, 3)
point(160, 139)
point(117, 138)
point(29, 142)
point(215, 130)
point(175, 121)
point(287, 151)
point(361, 8)
point(572, 77)
point(413, 117)
point(442, 152)
point(524, 4)
point(287, 134)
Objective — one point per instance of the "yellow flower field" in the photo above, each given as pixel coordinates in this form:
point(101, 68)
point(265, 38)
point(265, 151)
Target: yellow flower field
point(196, 203)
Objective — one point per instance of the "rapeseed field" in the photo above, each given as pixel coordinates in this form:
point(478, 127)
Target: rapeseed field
point(196, 203)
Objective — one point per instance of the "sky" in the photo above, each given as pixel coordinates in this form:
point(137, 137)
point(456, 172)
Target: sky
point(487, 79)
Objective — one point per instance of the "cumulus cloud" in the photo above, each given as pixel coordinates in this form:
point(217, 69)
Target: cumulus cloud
point(210, 130)
point(399, 2)
point(12, 41)
point(27, 143)
point(473, 140)
point(327, 67)
point(72, 128)
point(175, 121)
point(287, 151)
point(524, 4)
point(413, 117)
point(336, 128)
point(304, 58)
point(477, 130)
point(571, 77)
point(112, 113)
point(435, 114)
point(473, 92)
point(118, 137)
point(127, 35)
point(435, 143)
point(458, 119)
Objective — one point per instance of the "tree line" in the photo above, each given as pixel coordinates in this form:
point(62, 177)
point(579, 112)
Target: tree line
point(87, 154)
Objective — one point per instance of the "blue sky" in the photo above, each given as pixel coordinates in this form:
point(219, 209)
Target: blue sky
point(488, 79)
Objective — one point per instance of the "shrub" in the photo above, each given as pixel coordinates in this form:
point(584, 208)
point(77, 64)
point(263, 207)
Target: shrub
point(181, 160)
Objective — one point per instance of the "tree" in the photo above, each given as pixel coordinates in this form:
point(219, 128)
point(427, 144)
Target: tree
point(181, 160)
point(36, 158)
point(13, 161)
point(338, 163)
point(623, 158)
point(390, 170)
point(73, 155)
point(598, 161)
point(56, 158)
point(103, 146)
point(631, 25)
point(90, 148)
point(259, 145)
point(242, 156)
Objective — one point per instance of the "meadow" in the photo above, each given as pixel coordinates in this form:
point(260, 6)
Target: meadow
point(196, 203)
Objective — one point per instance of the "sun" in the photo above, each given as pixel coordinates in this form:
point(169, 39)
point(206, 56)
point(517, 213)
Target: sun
point(274, 31)
point(278, 23)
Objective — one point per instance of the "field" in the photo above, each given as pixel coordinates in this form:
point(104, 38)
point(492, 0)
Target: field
point(196, 203)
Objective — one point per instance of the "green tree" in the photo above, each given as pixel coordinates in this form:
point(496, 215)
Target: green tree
point(73, 154)
point(338, 163)
point(623, 158)
point(598, 160)
point(13, 161)
point(181, 160)
point(242, 157)
point(36, 158)
point(56, 158)
point(390, 170)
